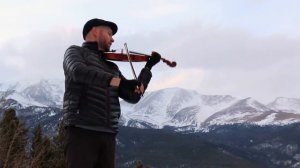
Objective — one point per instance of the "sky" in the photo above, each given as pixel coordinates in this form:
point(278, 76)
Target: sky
point(243, 48)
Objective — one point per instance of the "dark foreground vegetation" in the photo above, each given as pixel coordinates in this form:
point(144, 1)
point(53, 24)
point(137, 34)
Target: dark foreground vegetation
point(233, 146)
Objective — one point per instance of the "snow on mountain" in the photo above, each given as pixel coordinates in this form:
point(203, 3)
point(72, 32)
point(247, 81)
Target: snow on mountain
point(291, 105)
point(180, 108)
point(251, 111)
point(174, 107)
point(41, 93)
point(239, 112)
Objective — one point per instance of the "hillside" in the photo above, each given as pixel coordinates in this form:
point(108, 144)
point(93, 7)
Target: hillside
point(163, 149)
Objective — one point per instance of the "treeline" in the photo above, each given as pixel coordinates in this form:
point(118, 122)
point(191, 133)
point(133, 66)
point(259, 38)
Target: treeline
point(17, 151)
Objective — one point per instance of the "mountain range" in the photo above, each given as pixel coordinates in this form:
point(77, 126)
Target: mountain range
point(178, 125)
point(172, 107)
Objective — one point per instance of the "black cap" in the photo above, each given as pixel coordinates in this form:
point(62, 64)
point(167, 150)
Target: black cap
point(98, 22)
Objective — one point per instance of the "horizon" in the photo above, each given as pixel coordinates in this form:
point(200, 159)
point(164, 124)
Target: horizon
point(27, 83)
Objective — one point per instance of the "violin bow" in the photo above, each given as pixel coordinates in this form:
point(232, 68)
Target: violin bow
point(129, 60)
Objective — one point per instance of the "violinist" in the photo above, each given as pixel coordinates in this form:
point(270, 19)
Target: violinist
point(91, 105)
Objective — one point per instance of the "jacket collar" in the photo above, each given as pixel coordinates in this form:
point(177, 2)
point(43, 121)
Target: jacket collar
point(91, 45)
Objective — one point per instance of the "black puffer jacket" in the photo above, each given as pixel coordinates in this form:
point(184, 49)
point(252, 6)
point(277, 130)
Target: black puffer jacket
point(89, 101)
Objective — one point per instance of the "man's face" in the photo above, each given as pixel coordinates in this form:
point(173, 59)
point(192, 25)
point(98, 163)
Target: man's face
point(104, 37)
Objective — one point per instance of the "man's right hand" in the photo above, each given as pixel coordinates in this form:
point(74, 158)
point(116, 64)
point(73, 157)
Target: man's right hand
point(129, 84)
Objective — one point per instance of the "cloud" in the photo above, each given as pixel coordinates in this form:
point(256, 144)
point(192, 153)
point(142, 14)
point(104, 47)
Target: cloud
point(213, 47)
point(233, 49)
point(162, 10)
point(243, 48)
point(186, 78)
point(39, 55)
point(231, 61)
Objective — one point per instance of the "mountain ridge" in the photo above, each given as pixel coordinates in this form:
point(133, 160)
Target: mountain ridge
point(175, 107)
point(187, 113)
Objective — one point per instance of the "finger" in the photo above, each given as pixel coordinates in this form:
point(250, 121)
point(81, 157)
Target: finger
point(142, 89)
point(137, 90)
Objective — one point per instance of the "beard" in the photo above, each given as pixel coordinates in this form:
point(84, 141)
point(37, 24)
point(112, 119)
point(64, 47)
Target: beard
point(104, 47)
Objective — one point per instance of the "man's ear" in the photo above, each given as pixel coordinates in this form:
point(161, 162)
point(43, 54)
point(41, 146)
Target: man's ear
point(94, 31)
point(92, 34)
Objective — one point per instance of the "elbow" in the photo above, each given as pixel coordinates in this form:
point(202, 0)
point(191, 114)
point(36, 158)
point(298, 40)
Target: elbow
point(129, 96)
point(78, 75)
point(75, 76)
point(134, 99)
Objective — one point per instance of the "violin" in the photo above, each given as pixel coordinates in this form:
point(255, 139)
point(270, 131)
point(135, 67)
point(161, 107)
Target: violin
point(134, 57)
point(131, 56)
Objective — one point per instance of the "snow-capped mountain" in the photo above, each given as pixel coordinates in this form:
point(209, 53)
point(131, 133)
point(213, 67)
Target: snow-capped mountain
point(208, 117)
point(175, 107)
point(251, 111)
point(186, 108)
point(291, 105)
point(42, 93)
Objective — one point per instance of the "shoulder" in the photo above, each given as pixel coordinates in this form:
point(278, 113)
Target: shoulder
point(74, 48)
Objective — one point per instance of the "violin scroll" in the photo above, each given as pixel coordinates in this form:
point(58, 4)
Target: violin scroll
point(171, 64)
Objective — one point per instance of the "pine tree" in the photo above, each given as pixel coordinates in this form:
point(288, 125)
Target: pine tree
point(40, 149)
point(36, 142)
point(44, 152)
point(59, 146)
point(13, 141)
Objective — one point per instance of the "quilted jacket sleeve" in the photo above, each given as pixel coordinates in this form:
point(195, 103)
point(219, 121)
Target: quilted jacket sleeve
point(132, 97)
point(75, 67)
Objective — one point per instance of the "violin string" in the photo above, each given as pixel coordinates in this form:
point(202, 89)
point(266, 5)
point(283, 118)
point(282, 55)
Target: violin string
point(114, 50)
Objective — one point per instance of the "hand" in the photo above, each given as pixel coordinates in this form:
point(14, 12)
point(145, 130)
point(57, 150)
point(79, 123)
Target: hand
point(140, 90)
point(154, 59)
point(129, 84)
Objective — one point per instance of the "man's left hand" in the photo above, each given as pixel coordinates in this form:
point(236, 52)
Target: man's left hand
point(154, 59)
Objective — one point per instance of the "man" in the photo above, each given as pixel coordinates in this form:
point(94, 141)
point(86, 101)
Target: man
point(91, 106)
